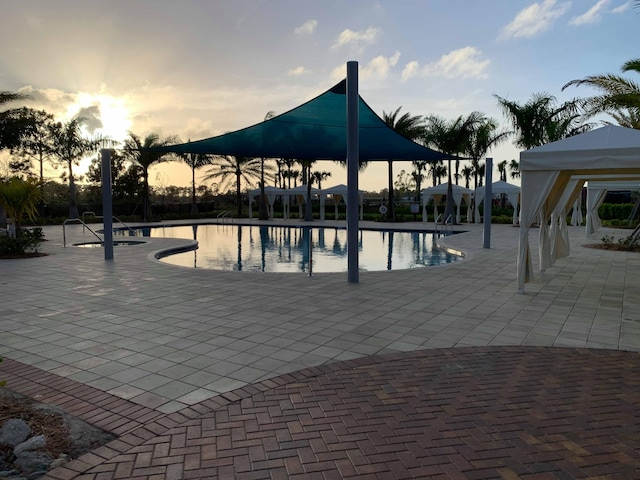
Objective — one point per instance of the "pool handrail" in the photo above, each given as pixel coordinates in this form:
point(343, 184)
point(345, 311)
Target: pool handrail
point(100, 216)
point(64, 231)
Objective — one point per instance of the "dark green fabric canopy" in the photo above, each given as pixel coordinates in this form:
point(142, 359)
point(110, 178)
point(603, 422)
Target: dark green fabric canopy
point(316, 130)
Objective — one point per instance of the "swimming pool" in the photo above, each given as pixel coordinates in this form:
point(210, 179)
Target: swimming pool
point(286, 249)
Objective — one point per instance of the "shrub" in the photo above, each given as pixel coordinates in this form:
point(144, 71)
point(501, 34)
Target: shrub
point(26, 242)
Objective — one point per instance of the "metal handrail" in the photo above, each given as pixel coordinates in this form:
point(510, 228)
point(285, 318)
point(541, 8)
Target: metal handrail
point(224, 215)
point(100, 216)
point(64, 230)
point(444, 223)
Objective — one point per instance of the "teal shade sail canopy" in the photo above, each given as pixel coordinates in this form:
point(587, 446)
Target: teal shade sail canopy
point(315, 130)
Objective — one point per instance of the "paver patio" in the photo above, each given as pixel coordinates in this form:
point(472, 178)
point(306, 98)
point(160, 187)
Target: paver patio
point(165, 350)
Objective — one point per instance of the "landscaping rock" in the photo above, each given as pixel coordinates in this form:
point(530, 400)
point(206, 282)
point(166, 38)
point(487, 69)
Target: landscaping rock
point(34, 443)
point(14, 432)
point(30, 462)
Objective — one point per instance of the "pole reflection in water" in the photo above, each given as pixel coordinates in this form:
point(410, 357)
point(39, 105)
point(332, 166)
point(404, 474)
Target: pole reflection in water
point(286, 249)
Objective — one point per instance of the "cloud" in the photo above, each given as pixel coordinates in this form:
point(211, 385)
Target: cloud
point(295, 72)
point(307, 27)
point(534, 19)
point(411, 69)
point(380, 66)
point(622, 8)
point(592, 15)
point(92, 118)
point(349, 37)
point(465, 62)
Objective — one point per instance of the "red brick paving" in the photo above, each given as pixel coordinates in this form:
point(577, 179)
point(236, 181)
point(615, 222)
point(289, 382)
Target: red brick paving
point(468, 413)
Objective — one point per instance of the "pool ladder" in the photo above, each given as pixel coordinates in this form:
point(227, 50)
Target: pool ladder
point(446, 224)
point(224, 217)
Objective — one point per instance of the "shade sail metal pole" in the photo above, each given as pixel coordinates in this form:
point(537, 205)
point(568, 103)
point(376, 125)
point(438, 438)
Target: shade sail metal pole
point(107, 204)
point(353, 154)
point(488, 202)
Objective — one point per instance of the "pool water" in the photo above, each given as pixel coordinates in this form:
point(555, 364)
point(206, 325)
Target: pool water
point(286, 249)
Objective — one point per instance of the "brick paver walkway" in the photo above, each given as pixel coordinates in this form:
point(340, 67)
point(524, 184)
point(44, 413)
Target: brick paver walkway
point(487, 412)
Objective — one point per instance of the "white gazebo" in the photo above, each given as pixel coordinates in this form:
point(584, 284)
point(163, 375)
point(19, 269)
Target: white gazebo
point(497, 188)
point(271, 193)
point(338, 193)
point(300, 194)
point(552, 177)
point(459, 193)
point(596, 193)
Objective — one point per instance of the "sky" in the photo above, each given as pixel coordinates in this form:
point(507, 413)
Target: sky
point(200, 68)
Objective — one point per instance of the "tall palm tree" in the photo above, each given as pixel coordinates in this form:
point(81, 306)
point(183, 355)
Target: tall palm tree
point(409, 126)
point(467, 172)
point(514, 166)
point(230, 169)
point(195, 161)
point(140, 152)
point(502, 170)
point(483, 138)
point(419, 174)
point(320, 177)
point(540, 120)
point(451, 138)
point(70, 145)
point(619, 96)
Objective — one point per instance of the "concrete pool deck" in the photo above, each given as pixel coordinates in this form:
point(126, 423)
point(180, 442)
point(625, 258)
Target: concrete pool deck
point(167, 339)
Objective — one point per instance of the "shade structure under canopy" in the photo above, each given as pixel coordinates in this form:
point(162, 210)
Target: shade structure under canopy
point(315, 130)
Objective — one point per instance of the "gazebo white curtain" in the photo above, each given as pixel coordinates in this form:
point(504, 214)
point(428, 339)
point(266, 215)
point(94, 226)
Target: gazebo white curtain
point(551, 172)
point(459, 193)
point(338, 193)
point(512, 192)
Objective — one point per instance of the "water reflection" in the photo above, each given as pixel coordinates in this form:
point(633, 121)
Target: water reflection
point(286, 249)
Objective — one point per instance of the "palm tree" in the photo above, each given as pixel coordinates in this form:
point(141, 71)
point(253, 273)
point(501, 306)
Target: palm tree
point(419, 167)
point(619, 96)
point(451, 138)
point(20, 199)
point(437, 171)
point(320, 177)
point(69, 146)
point(466, 174)
point(411, 127)
point(11, 126)
point(230, 169)
point(307, 180)
point(540, 120)
point(195, 161)
point(483, 138)
point(502, 170)
point(514, 166)
point(140, 152)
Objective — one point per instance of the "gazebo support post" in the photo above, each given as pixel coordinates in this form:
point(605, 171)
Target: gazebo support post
point(107, 203)
point(488, 203)
point(353, 154)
